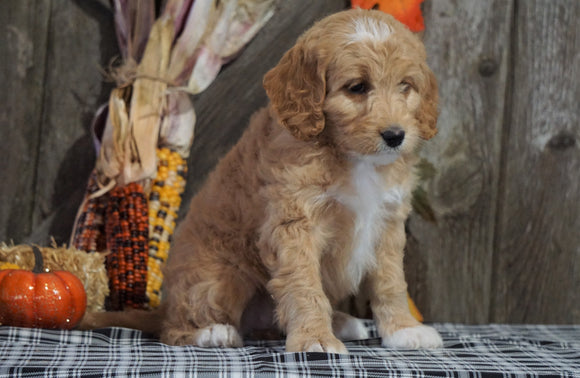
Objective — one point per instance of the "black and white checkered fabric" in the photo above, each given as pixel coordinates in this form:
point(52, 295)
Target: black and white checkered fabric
point(469, 351)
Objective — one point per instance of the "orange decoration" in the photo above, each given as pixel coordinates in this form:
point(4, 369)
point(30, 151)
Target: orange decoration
point(414, 310)
point(407, 12)
point(41, 299)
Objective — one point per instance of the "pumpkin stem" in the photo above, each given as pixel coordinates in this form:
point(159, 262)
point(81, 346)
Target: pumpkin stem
point(38, 260)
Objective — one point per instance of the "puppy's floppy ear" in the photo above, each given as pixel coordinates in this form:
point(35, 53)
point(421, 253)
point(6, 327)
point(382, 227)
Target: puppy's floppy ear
point(428, 113)
point(297, 88)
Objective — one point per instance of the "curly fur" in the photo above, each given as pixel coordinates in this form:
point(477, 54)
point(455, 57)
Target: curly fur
point(311, 201)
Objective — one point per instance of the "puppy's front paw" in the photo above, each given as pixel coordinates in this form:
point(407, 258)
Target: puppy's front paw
point(328, 344)
point(418, 337)
point(218, 335)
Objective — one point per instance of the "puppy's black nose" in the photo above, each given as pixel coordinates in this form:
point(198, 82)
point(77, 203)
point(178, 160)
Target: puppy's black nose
point(393, 136)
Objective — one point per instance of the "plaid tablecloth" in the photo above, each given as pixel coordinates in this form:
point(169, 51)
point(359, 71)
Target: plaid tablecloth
point(469, 351)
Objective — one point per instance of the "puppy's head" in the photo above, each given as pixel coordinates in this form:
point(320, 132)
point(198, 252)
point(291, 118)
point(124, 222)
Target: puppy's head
point(361, 79)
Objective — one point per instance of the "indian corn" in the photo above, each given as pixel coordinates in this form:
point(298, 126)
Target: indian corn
point(126, 227)
point(89, 235)
point(164, 201)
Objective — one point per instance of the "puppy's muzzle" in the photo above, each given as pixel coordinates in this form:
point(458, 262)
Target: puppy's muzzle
point(393, 136)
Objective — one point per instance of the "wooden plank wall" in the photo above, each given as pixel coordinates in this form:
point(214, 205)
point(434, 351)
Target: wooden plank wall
point(24, 48)
point(55, 51)
point(455, 251)
point(506, 192)
point(536, 272)
point(502, 177)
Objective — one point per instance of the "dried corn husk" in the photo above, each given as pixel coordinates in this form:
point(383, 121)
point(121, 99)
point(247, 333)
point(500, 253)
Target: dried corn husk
point(233, 24)
point(248, 19)
point(133, 20)
point(147, 103)
point(186, 47)
point(178, 122)
point(112, 142)
point(183, 52)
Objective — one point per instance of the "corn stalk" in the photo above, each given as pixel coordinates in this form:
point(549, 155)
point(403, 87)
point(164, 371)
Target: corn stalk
point(164, 61)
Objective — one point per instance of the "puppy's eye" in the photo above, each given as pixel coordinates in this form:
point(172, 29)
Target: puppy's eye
point(358, 88)
point(405, 87)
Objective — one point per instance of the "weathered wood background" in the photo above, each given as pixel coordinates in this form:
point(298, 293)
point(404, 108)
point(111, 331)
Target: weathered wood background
point(503, 179)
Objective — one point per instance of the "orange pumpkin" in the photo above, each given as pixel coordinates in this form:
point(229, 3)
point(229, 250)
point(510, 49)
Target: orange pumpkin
point(41, 299)
point(406, 11)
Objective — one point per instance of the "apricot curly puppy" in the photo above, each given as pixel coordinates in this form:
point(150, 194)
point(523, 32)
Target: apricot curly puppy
point(312, 200)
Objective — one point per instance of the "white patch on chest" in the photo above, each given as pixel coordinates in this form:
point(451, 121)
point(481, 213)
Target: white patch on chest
point(366, 28)
point(371, 201)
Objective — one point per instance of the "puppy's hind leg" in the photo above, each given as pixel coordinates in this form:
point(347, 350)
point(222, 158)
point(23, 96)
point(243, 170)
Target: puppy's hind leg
point(213, 336)
point(207, 312)
point(347, 327)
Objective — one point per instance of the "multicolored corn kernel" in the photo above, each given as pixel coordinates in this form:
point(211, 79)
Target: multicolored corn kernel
point(164, 202)
point(127, 231)
point(89, 233)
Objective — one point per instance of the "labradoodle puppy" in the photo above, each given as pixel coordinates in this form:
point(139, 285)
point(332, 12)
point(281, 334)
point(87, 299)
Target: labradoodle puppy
point(311, 202)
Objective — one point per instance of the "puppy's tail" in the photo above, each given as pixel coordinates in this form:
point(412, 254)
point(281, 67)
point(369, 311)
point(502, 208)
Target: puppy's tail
point(148, 321)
